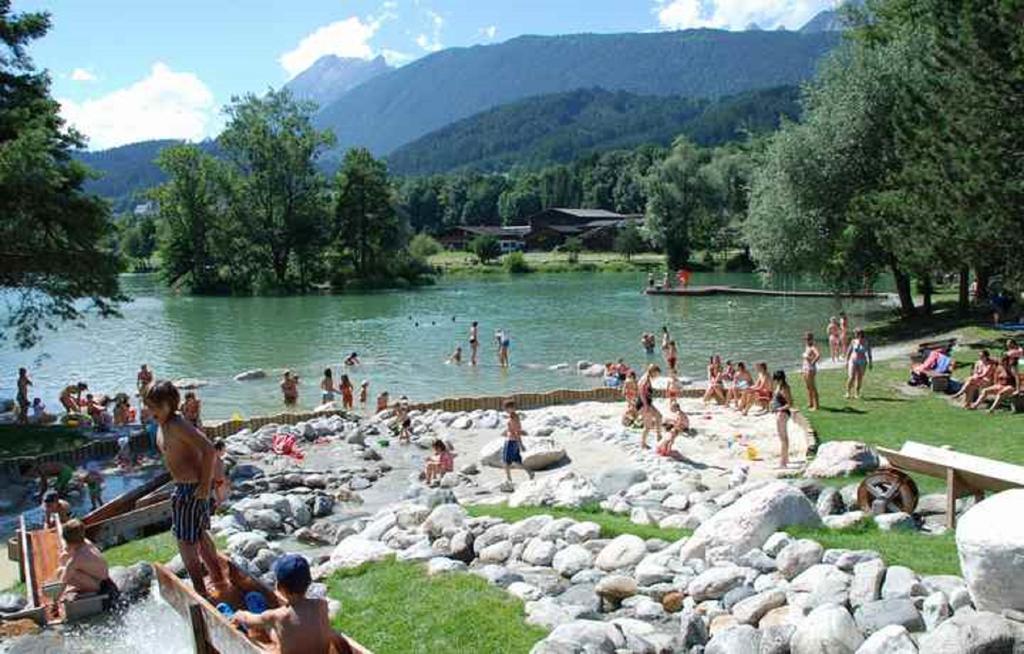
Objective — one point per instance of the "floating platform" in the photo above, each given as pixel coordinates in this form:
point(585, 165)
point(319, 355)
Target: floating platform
point(698, 291)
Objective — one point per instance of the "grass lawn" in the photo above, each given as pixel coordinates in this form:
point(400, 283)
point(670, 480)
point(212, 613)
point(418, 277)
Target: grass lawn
point(612, 525)
point(158, 548)
point(393, 607)
point(465, 262)
point(33, 440)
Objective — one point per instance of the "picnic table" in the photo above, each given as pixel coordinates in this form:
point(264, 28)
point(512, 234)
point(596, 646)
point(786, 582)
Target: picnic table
point(965, 474)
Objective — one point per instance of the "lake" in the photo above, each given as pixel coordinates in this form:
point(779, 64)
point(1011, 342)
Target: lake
point(405, 337)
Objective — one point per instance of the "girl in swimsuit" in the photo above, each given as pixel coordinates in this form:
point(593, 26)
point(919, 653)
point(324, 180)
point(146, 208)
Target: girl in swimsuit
point(741, 381)
point(781, 405)
point(715, 390)
point(1006, 383)
point(761, 392)
point(858, 360)
point(834, 344)
point(327, 388)
point(630, 392)
point(809, 369)
point(645, 404)
point(346, 393)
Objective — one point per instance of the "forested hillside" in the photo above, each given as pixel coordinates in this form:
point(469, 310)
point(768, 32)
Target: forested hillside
point(562, 127)
point(403, 105)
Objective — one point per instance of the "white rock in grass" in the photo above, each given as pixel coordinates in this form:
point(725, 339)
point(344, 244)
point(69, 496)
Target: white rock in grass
point(990, 540)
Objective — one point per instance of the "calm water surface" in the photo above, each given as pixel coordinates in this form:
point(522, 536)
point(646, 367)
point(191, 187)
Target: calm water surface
point(404, 337)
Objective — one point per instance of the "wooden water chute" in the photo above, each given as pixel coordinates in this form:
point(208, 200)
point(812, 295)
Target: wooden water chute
point(212, 631)
point(964, 474)
point(137, 513)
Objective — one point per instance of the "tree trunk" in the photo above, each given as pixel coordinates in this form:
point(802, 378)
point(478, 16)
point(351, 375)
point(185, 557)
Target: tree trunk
point(963, 295)
point(981, 276)
point(903, 289)
point(926, 292)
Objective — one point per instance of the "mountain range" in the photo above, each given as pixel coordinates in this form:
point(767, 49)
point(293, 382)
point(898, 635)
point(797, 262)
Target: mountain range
point(561, 127)
point(566, 95)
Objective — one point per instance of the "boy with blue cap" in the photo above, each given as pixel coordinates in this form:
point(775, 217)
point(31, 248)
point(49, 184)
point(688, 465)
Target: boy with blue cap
point(301, 625)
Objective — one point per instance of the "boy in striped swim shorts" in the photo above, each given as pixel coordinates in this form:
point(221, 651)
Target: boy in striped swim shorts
point(190, 458)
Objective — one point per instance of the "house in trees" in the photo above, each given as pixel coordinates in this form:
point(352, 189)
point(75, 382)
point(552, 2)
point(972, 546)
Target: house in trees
point(511, 238)
point(545, 231)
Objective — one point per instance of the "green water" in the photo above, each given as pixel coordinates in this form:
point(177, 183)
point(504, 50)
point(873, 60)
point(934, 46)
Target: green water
point(553, 319)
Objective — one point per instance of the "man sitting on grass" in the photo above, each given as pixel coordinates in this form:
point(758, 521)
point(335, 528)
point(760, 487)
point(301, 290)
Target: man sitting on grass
point(302, 625)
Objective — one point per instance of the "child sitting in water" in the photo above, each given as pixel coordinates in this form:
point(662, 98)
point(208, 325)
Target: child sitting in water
point(456, 356)
point(352, 359)
point(302, 625)
point(439, 464)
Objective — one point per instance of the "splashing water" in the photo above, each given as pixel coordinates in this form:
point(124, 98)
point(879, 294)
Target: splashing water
point(145, 625)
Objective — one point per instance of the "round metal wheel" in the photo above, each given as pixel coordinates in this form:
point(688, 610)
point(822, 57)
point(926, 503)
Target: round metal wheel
point(890, 490)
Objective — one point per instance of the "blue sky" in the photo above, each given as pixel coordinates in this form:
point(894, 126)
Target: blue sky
point(129, 70)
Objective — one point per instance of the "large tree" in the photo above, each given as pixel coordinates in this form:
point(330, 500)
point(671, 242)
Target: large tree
point(366, 222)
point(278, 195)
point(50, 229)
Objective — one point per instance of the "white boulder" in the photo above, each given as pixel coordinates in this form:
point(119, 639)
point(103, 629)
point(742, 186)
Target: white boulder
point(990, 540)
point(538, 452)
point(841, 459)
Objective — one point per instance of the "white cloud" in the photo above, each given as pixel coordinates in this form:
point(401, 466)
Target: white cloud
point(489, 32)
point(82, 75)
point(164, 104)
point(432, 42)
point(737, 14)
point(345, 38)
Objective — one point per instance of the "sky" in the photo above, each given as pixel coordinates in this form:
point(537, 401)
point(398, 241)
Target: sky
point(131, 70)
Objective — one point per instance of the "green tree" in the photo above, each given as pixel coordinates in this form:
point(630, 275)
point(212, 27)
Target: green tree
point(629, 240)
point(366, 222)
point(485, 247)
point(423, 246)
point(190, 205)
point(572, 246)
point(139, 237)
point(681, 205)
point(279, 198)
point(50, 229)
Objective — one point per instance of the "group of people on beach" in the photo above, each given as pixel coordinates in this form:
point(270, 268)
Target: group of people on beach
point(992, 379)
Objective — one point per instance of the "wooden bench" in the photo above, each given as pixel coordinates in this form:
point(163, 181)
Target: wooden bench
point(965, 474)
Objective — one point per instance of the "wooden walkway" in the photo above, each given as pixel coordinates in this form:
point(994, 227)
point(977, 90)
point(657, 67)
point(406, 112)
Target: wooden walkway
point(700, 291)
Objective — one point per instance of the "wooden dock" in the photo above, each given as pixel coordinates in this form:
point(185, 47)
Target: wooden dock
point(700, 291)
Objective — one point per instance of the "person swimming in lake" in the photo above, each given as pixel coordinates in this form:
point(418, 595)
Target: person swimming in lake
point(345, 386)
point(456, 356)
point(648, 342)
point(352, 360)
point(190, 458)
point(290, 388)
point(835, 347)
point(474, 342)
point(327, 389)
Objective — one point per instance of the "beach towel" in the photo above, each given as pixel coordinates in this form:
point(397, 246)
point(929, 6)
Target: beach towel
point(285, 445)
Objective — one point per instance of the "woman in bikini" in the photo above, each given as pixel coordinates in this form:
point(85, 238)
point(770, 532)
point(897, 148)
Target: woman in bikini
point(835, 347)
point(782, 406)
point(982, 375)
point(858, 360)
point(809, 370)
point(645, 404)
point(345, 386)
point(715, 390)
point(1006, 383)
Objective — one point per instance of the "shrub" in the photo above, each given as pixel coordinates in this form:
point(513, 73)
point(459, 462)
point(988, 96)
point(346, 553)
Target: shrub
point(424, 246)
point(486, 248)
point(573, 246)
point(515, 262)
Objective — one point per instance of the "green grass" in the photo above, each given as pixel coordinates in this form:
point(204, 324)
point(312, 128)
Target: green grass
point(926, 555)
point(548, 262)
point(394, 607)
point(33, 440)
point(158, 548)
point(612, 525)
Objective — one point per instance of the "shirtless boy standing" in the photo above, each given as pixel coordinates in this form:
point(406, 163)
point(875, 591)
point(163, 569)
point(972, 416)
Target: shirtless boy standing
point(302, 625)
point(512, 451)
point(190, 458)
